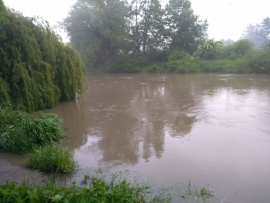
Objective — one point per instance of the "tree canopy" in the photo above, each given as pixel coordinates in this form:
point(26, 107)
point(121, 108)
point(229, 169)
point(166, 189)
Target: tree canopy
point(37, 70)
point(259, 34)
point(105, 31)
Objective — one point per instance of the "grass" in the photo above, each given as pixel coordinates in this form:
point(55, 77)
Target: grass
point(99, 186)
point(99, 192)
point(20, 133)
point(53, 159)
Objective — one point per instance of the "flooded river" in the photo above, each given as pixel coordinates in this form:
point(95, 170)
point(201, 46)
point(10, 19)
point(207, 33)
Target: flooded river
point(213, 130)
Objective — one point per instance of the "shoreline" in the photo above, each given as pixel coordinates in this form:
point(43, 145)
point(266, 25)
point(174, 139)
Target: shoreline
point(19, 174)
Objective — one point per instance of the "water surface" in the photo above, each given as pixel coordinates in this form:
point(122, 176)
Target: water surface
point(210, 129)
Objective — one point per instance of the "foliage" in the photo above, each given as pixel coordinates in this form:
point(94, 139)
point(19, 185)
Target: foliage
point(53, 159)
point(147, 26)
point(259, 34)
point(142, 36)
point(259, 61)
point(20, 133)
point(36, 68)
point(2, 11)
point(99, 192)
point(224, 66)
point(96, 189)
point(184, 29)
point(201, 195)
point(98, 30)
point(209, 49)
point(181, 62)
point(109, 33)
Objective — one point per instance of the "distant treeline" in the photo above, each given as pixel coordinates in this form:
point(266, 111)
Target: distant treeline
point(37, 70)
point(142, 36)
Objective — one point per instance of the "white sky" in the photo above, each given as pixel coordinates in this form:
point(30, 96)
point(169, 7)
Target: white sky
point(226, 18)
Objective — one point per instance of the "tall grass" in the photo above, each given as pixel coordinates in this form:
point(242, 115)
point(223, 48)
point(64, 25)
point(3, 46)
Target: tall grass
point(99, 186)
point(53, 159)
point(20, 132)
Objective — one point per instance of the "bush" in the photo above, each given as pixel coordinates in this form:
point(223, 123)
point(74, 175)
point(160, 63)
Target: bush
point(259, 61)
point(46, 129)
point(181, 62)
point(224, 65)
point(52, 159)
point(235, 50)
point(154, 68)
point(20, 133)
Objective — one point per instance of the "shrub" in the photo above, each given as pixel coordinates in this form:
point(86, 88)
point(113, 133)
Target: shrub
point(259, 61)
point(224, 65)
point(52, 159)
point(46, 129)
point(154, 68)
point(20, 133)
point(181, 62)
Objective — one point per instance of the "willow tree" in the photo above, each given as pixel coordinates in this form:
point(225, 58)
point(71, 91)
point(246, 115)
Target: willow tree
point(37, 70)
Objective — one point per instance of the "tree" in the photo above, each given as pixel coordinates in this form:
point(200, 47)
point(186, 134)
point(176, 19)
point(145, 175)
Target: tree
point(259, 34)
point(226, 41)
point(2, 10)
point(146, 25)
point(98, 29)
point(266, 29)
point(36, 68)
point(184, 29)
point(209, 49)
point(255, 34)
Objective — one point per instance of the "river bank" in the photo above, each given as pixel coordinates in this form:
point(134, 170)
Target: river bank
point(19, 174)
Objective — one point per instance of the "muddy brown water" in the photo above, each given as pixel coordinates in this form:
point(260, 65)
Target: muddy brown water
point(211, 129)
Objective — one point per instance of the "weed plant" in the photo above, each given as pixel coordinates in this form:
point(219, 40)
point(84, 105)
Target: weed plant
point(53, 159)
point(20, 133)
point(118, 189)
point(99, 192)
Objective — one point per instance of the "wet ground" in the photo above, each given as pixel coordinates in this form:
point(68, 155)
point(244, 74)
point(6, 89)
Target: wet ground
point(19, 174)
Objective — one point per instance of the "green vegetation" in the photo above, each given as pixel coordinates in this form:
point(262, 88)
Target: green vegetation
point(37, 70)
point(100, 186)
point(118, 33)
point(99, 192)
point(20, 133)
point(53, 159)
point(142, 36)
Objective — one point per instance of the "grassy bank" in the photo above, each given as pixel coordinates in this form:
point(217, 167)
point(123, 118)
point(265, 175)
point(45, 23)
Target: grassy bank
point(22, 133)
point(96, 188)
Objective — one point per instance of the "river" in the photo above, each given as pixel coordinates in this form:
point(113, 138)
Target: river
point(210, 129)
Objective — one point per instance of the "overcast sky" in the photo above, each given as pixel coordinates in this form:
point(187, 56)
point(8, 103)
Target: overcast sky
point(226, 18)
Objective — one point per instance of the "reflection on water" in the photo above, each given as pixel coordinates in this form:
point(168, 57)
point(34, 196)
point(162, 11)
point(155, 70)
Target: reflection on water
point(211, 129)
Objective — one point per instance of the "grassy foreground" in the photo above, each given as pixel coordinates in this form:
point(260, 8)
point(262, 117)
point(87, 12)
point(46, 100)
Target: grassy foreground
point(21, 133)
point(52, 159)
point(99, 192)
point(98, 188)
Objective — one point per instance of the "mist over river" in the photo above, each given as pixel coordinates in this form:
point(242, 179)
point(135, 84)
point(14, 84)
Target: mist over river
point(211, 129)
